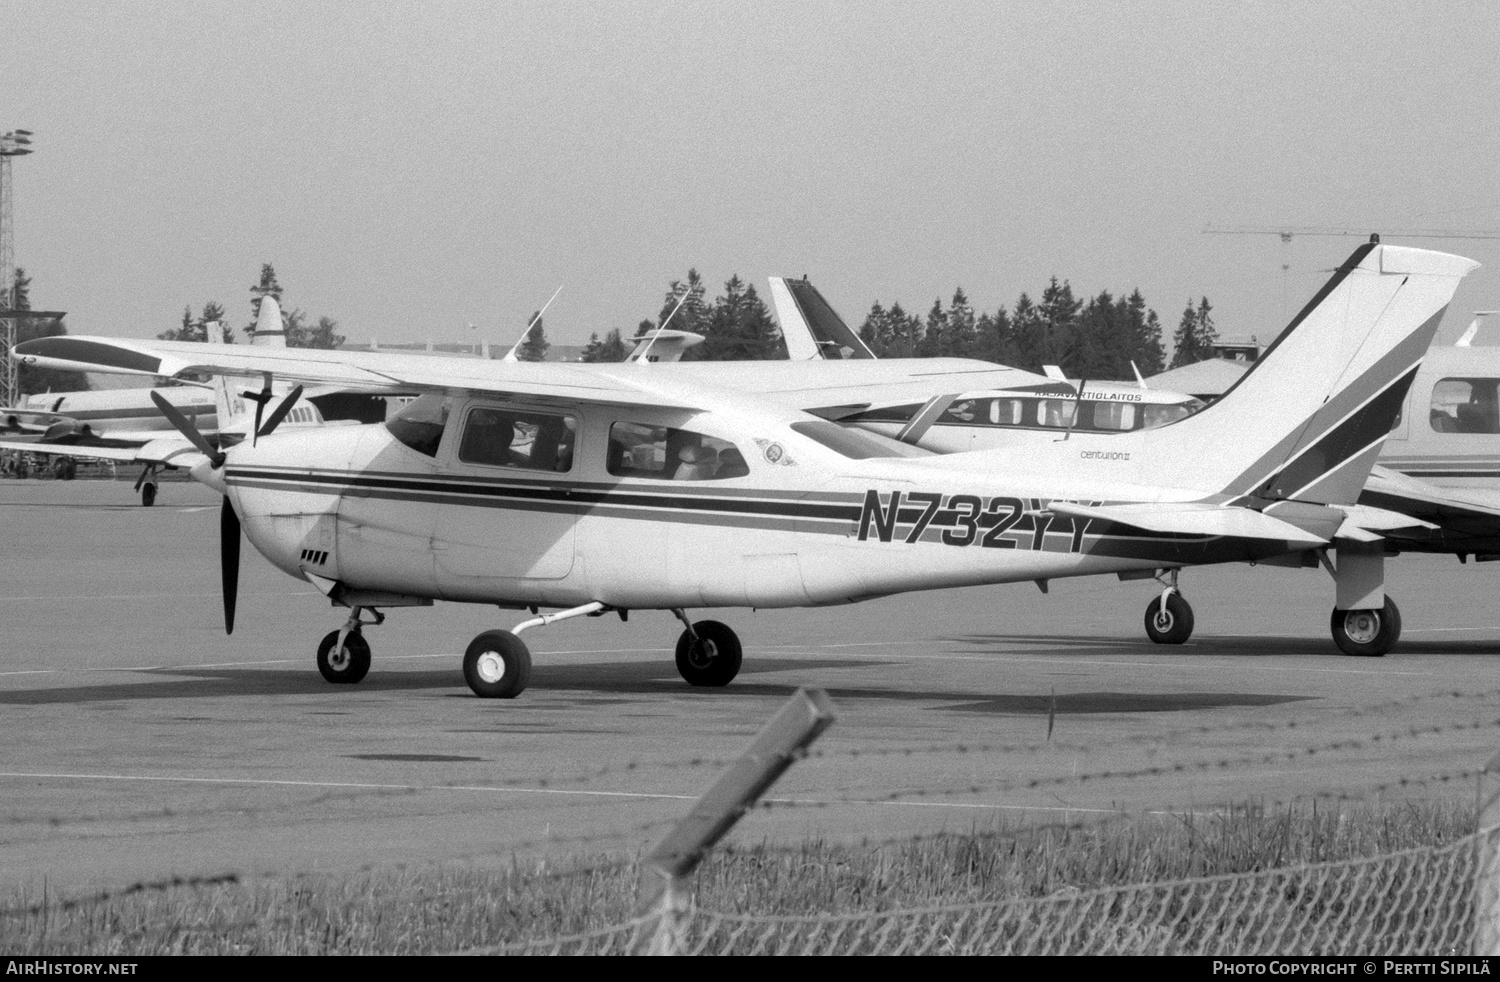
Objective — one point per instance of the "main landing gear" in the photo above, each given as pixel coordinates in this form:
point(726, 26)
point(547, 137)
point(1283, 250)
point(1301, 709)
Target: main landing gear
point(1370, 633)
point(497, 664)
point(1360, 631)
point(146, 485)
point(708, 653)
point(1169, 618)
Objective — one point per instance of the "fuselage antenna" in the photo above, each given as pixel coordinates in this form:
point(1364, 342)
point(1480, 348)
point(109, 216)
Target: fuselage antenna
point(657, 333)
point(536, 319)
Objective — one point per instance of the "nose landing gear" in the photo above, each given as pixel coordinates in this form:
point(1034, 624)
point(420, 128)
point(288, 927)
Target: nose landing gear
point(344, 655)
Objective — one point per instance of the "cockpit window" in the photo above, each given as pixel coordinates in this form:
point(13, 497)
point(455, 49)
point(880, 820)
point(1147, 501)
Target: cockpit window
point(419, 424)
point(856, 444)
point(668, 454)
point(499, 437)
point(1162, 414)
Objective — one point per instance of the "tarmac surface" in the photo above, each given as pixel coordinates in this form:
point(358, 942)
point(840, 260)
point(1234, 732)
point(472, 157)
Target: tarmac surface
point(140, 743)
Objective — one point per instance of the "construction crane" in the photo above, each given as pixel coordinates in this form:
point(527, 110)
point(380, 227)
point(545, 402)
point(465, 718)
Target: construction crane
point(16, 143)
point(1287, 232)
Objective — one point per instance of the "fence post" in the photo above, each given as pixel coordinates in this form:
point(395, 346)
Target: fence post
point(1487, 864)
point(794, 727)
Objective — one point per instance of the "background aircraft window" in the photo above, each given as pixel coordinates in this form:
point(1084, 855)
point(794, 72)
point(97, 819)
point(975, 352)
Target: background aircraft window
point(667, 454)
point(856, 444)
point(1114, 416)
point(964, 412)
point(1007, 412)
point(1466, 405)
point(1055, 412)
point(420, 423)
point(499, 437)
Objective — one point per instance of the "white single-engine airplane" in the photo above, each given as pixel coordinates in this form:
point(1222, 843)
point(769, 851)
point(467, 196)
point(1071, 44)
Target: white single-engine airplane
point(598, 488)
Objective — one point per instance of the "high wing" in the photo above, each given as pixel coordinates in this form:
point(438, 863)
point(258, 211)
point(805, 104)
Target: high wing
point(368, 370)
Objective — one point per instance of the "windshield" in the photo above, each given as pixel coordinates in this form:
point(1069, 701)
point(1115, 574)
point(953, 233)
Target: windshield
point(856, 444)
point(419, 424)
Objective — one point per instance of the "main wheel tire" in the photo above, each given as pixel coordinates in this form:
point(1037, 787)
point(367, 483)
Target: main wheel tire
point(497, 665)
point(1172, 624)
point(1367, 633)
point(347, 666)
point(148, 495)
point(713, 659)
point(65, 468)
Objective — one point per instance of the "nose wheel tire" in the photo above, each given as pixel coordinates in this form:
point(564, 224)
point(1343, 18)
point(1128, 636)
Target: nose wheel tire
point(1172, 624)
point(713, 659)
point(148, 495)
point(347, 665)
point(1367, 633)
point(497, 665)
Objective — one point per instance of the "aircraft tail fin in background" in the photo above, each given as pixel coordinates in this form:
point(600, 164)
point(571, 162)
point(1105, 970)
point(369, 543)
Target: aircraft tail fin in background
point(810, 326)
point(1308, 419)
point(270, 331)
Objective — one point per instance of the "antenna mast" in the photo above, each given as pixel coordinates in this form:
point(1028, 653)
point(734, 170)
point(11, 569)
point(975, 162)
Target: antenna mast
point(16, 143)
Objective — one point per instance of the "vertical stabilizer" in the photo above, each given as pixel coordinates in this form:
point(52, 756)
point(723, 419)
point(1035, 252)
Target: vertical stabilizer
point(1306, 422)
point(270, 330)
point(810, 327)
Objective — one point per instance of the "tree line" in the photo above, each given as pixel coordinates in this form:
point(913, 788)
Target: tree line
point(1095, 338)
point(299, 333)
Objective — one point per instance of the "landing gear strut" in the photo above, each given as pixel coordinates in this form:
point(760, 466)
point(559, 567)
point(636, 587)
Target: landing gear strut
point(1169, 618)
point(1358, 627)
point(708, 653)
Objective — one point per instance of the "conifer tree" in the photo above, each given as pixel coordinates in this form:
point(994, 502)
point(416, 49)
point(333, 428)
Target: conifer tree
point(534, 348)
point(962, 338)
point(1195, 334)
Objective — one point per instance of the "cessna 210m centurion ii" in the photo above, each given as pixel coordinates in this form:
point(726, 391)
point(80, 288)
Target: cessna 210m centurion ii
point(630, 487)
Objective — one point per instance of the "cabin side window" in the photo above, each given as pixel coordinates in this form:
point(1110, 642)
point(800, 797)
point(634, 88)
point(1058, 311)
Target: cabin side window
point(1057, 413)
point(668, 454)
point(1114, 416)
point(1006, 412)
point(495, 436)
point(1466, 405)
point(420, 423)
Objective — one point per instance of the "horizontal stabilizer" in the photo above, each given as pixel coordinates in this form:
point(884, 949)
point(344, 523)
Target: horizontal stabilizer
point(1378, 519)
point(1187, 518)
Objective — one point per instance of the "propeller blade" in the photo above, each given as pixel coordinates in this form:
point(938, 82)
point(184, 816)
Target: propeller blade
point(260, 407)
point(279, 413)
point(187, 429)
point(229, 560)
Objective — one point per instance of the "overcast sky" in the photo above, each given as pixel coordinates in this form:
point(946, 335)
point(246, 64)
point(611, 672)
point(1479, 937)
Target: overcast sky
point(411, 169)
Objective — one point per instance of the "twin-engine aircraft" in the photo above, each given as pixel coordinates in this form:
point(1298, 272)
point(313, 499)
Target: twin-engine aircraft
point(611, 488)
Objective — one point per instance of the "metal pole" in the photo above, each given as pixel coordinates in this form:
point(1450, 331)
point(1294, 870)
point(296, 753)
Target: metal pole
point(1487, 863)
point(798, 723)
